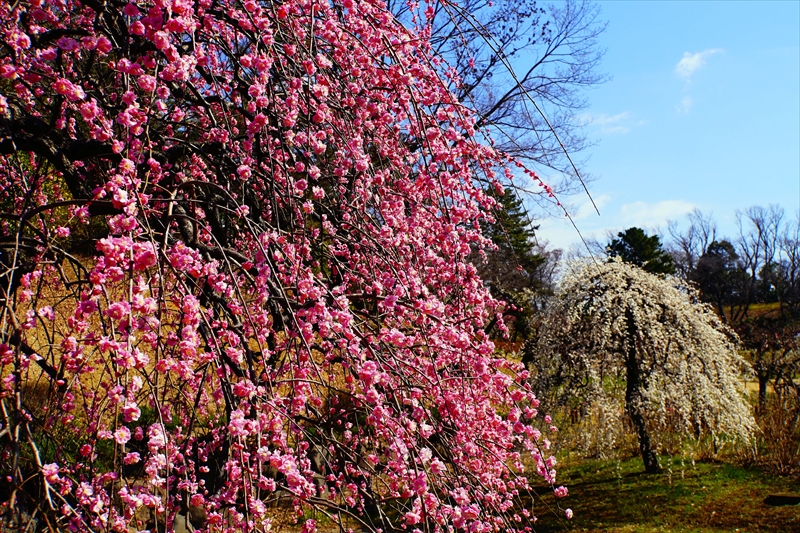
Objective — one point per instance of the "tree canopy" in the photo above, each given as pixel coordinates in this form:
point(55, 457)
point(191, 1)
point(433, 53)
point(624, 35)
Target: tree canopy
point(235, 241)
point(615, 323)
point(645, 251)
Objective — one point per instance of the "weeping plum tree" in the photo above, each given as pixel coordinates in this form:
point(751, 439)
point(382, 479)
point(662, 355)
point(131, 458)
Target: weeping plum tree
point(234, 251)
point(615, 323)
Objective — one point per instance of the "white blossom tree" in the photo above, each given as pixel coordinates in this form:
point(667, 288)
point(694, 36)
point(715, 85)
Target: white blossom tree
point(614, 323)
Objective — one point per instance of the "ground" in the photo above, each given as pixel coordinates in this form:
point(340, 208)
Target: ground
point(612, 497)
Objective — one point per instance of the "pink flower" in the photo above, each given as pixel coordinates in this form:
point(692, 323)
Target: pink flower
point(66, 88)
point(104, 46)
point(420, 484)
point(413, 517)
point(239, 426)
point(50, 472)
point(129, 118)
point(157, 437)
point(47, 312)
point(122, 435)
point(259, 121)
point(89, 110)
point(137, 28)
point(87, 307)
point(560, 492)
point(119, 310)
point(144, 255)
point(367, 373)
point(131, 10)
point(8, 72)
point(131, 412)
point(146, 82)
point(131, 458)
point(568, 514)
point(161, 40)
point(244, 389)
point(20, 40)
point(372, 396)
point(244, 172)
point(126, 166)
point(30, 319)
point(68, 44)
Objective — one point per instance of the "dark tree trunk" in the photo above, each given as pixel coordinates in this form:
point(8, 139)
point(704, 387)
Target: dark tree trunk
point(633, 401)
point(763, 374)
point(763, 381)
point(649, 457)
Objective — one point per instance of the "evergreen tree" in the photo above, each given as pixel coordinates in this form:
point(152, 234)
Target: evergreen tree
point(636, 247)
point(514, 236)
point(514, 270)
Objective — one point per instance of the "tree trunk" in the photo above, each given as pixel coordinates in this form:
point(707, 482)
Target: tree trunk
point(763, 375)
point(634, 410)
point(763, 382)
point(633, 401)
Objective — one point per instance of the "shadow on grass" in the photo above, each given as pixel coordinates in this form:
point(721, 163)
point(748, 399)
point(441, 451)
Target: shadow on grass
point(706, 497)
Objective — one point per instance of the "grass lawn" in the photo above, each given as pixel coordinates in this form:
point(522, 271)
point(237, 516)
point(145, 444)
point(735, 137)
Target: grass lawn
point(610, 497)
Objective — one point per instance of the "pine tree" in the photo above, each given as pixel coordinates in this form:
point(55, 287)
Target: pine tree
point(514, 271)
point(636, 247)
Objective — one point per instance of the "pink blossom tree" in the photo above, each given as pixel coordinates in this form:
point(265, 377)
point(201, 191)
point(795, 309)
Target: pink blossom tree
point(233, 270)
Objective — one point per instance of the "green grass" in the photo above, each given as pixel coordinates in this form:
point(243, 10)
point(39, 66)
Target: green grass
point(707, 497)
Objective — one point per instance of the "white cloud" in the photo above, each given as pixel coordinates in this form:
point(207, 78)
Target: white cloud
point(683, 107)
point(586, 209)
point(690, 63)
point(647, 215)
point(619, 123)
point(560, 233)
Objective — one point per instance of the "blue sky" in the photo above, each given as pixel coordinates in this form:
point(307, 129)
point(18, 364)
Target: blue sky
point(702, 111)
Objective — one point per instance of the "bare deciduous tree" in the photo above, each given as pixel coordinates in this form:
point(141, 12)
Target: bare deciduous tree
point(524, 68)
point(687, 248)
